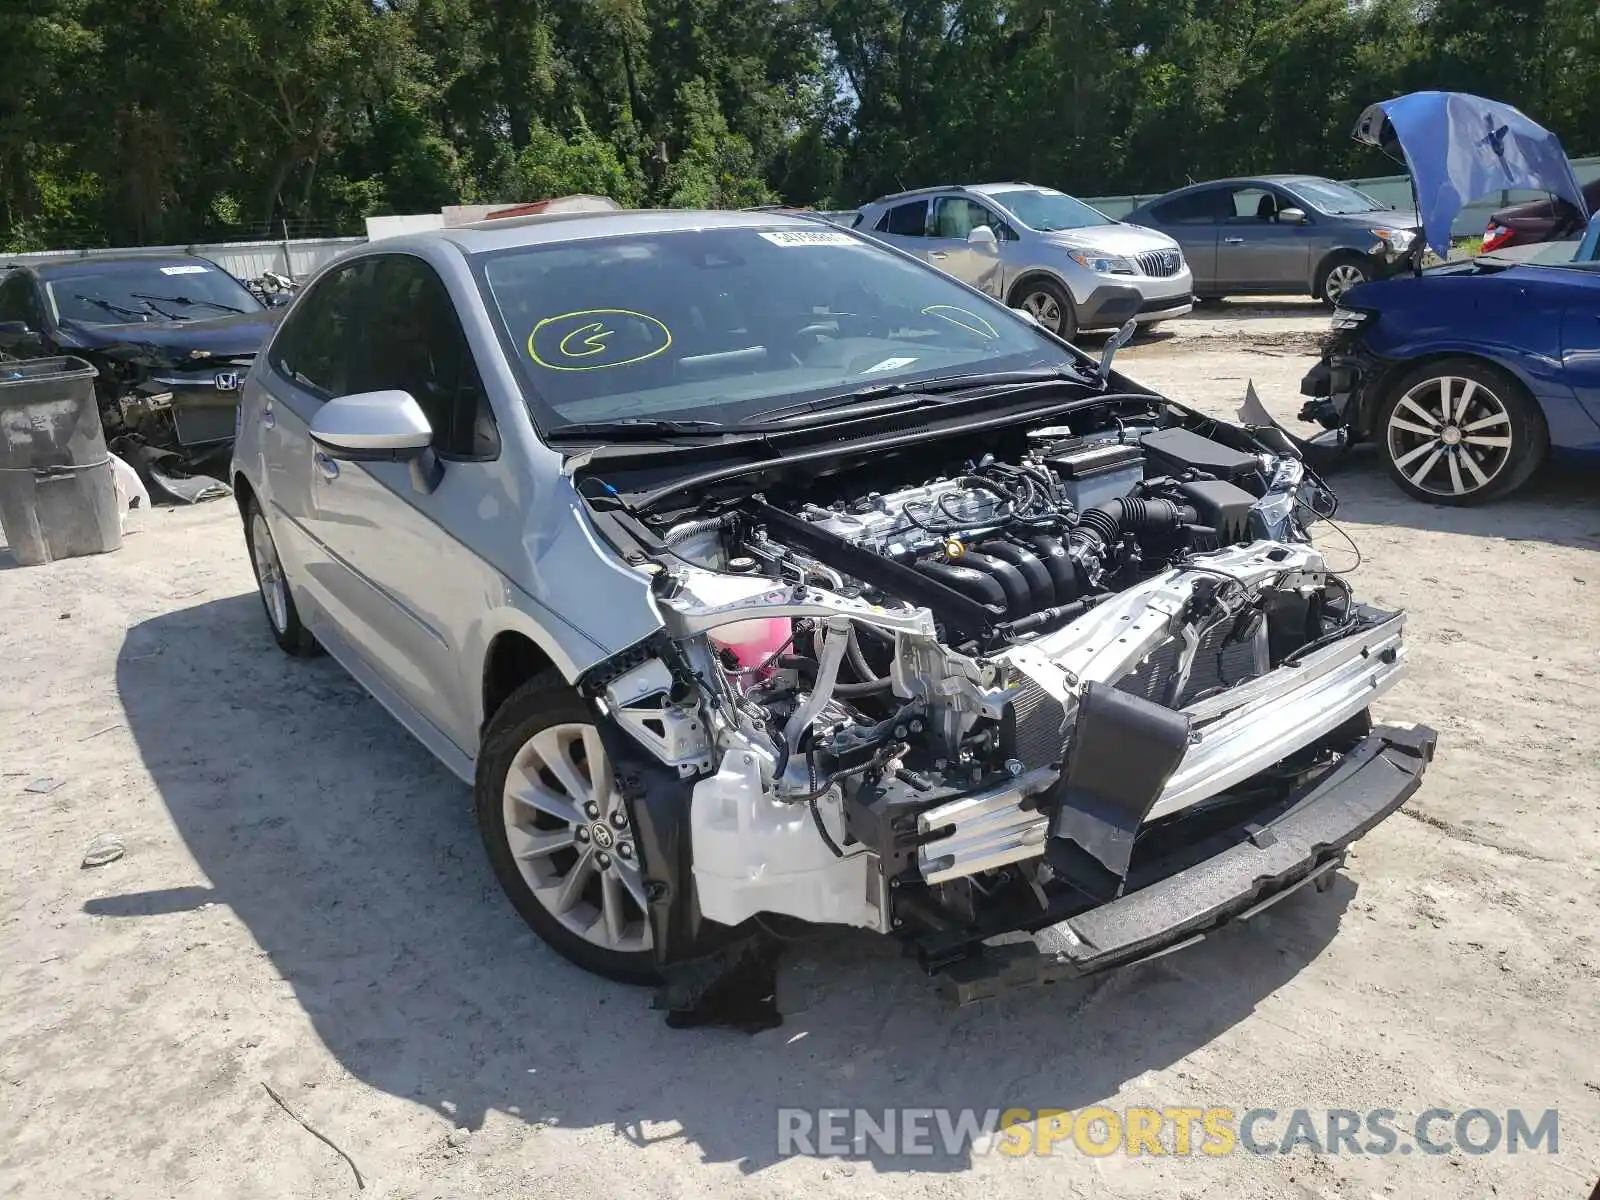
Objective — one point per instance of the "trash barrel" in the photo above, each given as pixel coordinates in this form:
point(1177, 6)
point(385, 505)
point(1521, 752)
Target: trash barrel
point(58, 496)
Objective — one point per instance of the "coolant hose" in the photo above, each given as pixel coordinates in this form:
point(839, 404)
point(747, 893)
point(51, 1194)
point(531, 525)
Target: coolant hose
point(858, 660)
point(830, 655)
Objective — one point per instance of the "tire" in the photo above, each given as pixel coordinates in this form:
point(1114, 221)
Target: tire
point(538, 835)
point(1047, 298)
point(1459, 432)
point(283, 618)
point(1338, 275)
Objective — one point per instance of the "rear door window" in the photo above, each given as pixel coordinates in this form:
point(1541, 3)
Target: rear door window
point(1194, 208)
point(906, 220)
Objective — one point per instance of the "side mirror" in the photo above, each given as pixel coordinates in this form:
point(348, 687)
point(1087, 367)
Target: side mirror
point(379, 427)
point(982, 238)
point(1291, 216)
point(1114, 343)
point(372, 427)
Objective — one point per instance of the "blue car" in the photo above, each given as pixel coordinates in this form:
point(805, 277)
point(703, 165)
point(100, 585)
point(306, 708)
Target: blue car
point(1470, 375)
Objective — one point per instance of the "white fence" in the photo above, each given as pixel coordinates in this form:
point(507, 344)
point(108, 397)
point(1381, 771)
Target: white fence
point(296, 258)
point(1393, 190)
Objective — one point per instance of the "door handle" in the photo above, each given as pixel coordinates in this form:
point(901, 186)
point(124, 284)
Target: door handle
point(938, 254)
point(330, 469)
point(268, 417)
point(1234, 241)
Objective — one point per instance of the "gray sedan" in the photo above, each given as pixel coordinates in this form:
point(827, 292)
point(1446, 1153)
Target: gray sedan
point(1281, 234)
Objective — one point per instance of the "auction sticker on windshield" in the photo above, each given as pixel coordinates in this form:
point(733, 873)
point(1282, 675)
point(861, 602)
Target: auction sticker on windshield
point(889, 364)
point(190, 269)
point(809, 237)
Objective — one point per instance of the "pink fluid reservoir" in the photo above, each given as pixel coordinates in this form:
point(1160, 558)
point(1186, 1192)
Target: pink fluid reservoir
point(753, 642)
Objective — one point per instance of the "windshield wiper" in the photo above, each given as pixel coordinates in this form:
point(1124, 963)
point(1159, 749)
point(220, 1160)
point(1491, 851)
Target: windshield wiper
point(187, 301)
point(639, 428)
point(136, 313)
point(944, 385)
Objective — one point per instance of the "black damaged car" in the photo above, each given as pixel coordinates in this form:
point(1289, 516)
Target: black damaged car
point(171, 335)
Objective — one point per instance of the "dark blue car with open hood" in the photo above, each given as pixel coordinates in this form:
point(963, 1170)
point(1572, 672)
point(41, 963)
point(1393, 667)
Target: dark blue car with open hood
point(1470, 375)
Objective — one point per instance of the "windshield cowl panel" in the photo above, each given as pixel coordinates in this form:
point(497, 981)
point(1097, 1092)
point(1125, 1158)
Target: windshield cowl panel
point(699, 330)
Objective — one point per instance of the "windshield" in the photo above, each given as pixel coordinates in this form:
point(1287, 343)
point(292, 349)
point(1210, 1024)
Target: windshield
point(713, 324)
point(1047, 211)
point(125, 293)
point(1335, 199)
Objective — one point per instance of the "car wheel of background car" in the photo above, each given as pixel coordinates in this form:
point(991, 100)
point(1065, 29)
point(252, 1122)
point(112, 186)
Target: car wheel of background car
point(1339, 275)
point(556, 830)
point(1050, 305)
point(1460, 432)
point(291, 636)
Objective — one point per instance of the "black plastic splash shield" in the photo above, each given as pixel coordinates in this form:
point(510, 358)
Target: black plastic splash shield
point(1124, 749)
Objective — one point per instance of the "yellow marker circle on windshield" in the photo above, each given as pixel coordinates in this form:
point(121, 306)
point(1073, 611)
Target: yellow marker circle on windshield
point(592, 339)
point(965, 318)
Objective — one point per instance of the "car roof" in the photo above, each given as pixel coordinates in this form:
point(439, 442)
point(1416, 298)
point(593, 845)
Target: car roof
point(512, 232)
point(66, 268)
point(1238, 181)
point(943, 189)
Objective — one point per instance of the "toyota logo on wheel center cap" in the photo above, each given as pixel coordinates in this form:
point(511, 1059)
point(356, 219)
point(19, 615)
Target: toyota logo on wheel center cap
point(601, 833)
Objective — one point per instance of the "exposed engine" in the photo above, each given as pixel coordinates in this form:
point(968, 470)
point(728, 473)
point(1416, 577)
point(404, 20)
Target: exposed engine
point(941, 703)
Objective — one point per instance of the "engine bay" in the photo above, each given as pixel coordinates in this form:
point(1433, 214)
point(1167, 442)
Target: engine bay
point(901, 695)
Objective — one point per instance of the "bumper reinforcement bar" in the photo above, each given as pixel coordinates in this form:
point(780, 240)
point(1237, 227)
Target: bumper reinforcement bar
point(1303, 845)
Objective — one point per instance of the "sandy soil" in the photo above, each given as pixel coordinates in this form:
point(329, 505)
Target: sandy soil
point(304, 903)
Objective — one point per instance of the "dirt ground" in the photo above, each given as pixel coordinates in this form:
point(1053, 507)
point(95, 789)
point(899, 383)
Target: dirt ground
point(304, 904)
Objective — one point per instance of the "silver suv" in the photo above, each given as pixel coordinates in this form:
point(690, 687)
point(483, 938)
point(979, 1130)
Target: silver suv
point(751, 572)
point(1069, 265)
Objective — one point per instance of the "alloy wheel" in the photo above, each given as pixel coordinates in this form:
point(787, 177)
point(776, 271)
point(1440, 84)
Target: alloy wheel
point(269, 573)
point(1044, 308)
point(1450, 436)
point(567, 829)
point(1341, 279)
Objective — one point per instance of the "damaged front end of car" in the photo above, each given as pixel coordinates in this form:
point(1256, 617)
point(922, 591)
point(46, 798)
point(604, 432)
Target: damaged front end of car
point(1343, 388)
point(1093, 684)
point(171, 412)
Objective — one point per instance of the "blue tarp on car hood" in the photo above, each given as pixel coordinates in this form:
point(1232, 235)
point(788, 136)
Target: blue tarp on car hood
point(1460, 147)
